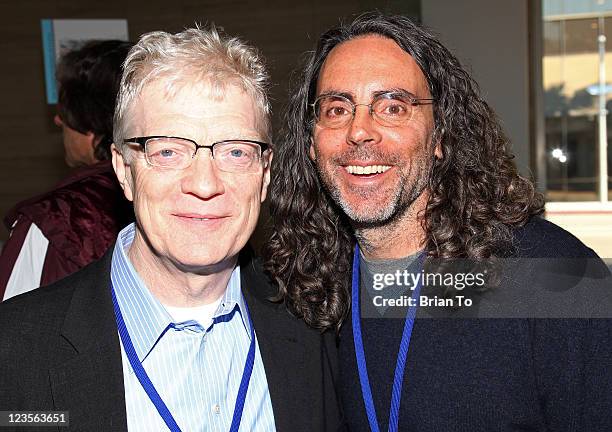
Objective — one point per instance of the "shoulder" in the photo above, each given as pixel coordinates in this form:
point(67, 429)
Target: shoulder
point(260, 290)
point(41, 308)
point(81, 217)
point(287, 345)
point(101, 172)
point(262, 296)
point(44, 308)
point(539, 238)
point(98, 176)
point(94, 187)
point(254, 277)
point(88, 183)
point(45, 328)
point(94, 179)
point(31, 326)
point(552, 274)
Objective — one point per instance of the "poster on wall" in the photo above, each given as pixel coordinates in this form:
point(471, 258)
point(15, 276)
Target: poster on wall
point(61, 35)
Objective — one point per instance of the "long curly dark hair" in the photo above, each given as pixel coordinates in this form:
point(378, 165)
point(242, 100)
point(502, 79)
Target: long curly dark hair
point(476, 195)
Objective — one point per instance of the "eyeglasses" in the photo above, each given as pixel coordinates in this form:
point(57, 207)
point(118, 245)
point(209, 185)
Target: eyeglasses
point(390, 109)
point(178, 153)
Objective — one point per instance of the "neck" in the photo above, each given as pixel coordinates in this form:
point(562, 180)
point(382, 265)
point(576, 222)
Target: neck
point(176, 286)
point(399, 238)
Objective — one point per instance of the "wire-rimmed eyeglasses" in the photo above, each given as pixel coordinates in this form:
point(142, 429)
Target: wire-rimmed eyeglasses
point(170, 152)
point(391, 109)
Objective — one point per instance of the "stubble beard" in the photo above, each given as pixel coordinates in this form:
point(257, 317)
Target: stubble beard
point(413, 180)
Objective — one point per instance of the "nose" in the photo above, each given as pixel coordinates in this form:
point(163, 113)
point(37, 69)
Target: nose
point(202, 178)
point(362, 128)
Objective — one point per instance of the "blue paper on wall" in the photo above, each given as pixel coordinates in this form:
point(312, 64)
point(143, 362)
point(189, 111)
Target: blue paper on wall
point(61, 35)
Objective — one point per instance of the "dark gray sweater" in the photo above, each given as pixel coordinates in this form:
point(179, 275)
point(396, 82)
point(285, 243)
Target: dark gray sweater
point(495, 374)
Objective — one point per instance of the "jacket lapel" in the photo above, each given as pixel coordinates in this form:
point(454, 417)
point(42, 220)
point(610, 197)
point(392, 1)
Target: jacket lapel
point(88, 377)
point(282, 349)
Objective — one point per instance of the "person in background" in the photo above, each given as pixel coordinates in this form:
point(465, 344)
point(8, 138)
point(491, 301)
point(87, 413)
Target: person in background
point(60, 231)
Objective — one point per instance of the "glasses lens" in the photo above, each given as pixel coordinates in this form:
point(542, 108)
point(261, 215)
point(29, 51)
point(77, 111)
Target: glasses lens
point(237, 156)
point(392, 109)
point(172, 153)
point(333, 111)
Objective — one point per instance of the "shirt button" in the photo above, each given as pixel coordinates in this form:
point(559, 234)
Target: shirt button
point(216, 409)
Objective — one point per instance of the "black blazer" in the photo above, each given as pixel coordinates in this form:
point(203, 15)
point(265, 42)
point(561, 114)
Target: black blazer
point(59, 351)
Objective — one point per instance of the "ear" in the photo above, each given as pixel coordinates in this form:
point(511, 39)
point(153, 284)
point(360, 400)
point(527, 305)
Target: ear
point(123, 172)
point(311, 151)
point(266, 177)
point(438, 150)
point(92, 142)
point(91, 139)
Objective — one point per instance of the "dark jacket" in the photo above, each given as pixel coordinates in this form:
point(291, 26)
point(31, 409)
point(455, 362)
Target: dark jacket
point(59, 351)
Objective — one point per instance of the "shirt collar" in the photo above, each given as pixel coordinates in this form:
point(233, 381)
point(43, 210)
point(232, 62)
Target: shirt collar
point(233, 298)
point(145, 317)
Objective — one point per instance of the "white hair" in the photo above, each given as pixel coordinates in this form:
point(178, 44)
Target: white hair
point(193, 55)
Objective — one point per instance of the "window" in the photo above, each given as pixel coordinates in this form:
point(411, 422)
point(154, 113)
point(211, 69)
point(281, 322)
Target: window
point(577, 95)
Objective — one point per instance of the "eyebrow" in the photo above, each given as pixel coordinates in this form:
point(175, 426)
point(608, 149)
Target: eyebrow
point(397, 90)
point(333, 92)
point(375, 94)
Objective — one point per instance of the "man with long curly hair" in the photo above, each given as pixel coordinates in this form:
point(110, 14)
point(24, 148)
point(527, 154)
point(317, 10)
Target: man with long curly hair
point(390, 161)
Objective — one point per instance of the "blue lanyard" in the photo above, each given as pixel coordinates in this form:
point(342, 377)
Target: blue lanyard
point(149, 388)
point(400, 365)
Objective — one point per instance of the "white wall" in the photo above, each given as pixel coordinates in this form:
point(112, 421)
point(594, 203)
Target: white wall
point(490, 37)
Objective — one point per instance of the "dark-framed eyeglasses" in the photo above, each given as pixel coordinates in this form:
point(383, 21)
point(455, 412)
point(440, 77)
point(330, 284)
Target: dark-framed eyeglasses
point(170, 152)
point(389, 109)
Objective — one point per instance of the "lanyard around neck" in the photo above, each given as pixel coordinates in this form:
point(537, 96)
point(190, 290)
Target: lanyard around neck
point(149, 388)
point(400, 365)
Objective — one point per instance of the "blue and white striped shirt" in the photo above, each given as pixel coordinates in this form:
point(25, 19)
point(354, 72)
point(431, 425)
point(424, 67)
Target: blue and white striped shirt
point(196, 370)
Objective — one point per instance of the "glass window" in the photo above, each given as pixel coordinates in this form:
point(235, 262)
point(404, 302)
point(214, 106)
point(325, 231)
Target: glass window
point(577, 69)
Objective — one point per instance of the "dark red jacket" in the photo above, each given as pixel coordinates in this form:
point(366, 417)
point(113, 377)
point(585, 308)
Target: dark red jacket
point(80, 217)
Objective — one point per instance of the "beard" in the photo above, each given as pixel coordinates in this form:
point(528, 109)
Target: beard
point(367, 209)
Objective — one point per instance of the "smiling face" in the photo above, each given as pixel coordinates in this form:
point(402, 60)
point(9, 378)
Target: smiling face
point(198, 218)
point(373, 172)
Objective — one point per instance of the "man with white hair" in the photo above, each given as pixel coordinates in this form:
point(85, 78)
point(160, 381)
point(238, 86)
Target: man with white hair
point(173, 328)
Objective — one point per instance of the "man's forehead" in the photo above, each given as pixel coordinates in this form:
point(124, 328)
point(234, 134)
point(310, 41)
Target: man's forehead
point(195, 110)
point(163, 90)
point(371, 64)
point(197, 98)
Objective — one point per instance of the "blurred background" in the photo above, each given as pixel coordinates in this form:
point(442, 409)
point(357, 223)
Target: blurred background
point(545, 66)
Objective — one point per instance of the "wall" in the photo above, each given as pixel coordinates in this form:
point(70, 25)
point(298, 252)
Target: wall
point(31, 160)
point(491, 38)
